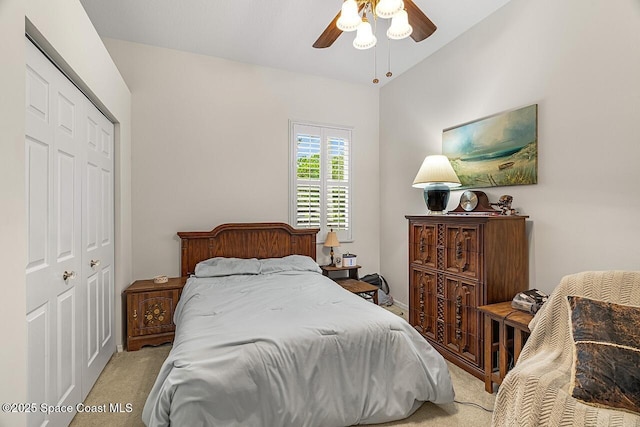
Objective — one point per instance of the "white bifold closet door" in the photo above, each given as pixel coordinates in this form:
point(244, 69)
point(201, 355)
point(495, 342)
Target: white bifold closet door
point(70, 289)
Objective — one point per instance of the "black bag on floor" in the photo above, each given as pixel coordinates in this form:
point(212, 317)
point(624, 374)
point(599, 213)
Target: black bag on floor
point(376, 279)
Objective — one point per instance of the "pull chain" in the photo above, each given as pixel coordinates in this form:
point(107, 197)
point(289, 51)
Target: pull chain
point(375, 67)
point(389, 73)
point(375, 57)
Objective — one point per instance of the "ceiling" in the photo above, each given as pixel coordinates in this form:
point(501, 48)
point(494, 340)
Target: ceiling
point(279, 33)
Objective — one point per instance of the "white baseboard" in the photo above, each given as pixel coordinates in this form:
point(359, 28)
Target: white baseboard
point(401, 305)
point(119, 348)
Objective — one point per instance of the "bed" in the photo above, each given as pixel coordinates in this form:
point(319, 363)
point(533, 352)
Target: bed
point(264, 339)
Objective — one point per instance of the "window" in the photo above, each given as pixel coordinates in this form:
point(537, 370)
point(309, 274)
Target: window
point(320, 194)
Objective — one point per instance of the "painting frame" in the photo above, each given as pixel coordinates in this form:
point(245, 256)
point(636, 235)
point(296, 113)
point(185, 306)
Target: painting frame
point(495, 151)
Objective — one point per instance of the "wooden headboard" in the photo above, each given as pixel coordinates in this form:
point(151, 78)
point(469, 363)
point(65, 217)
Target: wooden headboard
point(245, 240)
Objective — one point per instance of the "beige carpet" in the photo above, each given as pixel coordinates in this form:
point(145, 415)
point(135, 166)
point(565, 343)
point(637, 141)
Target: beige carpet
point(129, 376)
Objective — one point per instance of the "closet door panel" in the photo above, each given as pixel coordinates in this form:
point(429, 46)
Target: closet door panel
point(53, 183)
point(98, 247)
point(67, 207)
point(66, 346)
point(38, 209)
point(40, 316)
point(67, 201)
point(39, 368)
point(92, 319)
point(106, 316)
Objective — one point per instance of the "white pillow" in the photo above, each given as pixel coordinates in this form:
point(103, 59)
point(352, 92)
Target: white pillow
point(289, 263)
point(220, 266)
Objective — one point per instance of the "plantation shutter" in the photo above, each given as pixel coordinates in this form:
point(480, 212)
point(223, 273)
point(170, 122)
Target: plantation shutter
point(321, 179)
point(308, 185)
point(337, 195)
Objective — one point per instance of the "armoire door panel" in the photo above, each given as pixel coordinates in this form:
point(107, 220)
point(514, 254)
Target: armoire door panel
point(424, 301)
point(469, 350)
point(422, 245)
point(463, 262)
point(462, 324)
point(462, 246)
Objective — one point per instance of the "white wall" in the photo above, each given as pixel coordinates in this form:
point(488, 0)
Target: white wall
point(13, 364)
point(66, 33)
point(212, 146)
point(579, 61)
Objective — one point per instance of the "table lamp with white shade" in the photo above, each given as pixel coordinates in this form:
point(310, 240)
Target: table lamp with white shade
point(436, 176)
point(330, 242)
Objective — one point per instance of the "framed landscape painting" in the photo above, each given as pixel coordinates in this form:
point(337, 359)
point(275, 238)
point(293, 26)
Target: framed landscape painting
point(495, 151)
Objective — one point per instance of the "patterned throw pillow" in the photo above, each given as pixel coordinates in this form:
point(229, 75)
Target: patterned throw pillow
point(606, 360)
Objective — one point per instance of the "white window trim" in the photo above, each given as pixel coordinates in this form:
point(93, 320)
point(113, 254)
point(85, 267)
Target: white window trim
point(343, 236)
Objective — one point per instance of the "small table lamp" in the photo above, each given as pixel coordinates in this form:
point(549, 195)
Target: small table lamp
point(436, 176)
point(331, 241)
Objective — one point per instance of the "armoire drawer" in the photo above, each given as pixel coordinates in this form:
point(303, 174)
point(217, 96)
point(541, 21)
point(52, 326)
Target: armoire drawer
point(462, 334)
point(423, 239)
point(423, 302)
point(463, 250)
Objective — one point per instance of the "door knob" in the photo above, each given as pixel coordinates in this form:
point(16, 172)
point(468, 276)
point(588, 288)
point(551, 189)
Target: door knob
point(68, 275)
point(94, 263)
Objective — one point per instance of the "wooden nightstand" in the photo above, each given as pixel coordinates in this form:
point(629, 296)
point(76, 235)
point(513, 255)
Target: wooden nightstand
point(351, 283)
point(512, 326)
point(328, 269)
point(150, 308)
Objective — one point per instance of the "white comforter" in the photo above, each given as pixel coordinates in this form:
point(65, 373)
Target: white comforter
point(290, 349)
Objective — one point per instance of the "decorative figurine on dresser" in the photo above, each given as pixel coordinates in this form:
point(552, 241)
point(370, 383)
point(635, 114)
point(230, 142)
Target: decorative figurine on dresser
point(469, 257)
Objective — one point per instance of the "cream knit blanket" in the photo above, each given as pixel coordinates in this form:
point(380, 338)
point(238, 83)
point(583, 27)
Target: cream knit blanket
point(536, 391)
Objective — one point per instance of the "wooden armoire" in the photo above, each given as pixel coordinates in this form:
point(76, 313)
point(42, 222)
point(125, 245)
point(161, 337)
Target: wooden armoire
point(456, 264)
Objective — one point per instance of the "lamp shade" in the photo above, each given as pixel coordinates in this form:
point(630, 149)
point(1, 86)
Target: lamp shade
point(349, 18)
point(400, 27)
point(331, 240)
point(436, 169)
point(364, 37)
point(388, 8)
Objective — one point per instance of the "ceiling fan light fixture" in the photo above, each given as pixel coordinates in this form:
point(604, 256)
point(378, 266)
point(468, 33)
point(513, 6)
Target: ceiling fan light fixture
point(388, 8)
point(349, 17)
point(364, 38)
point(399, 28)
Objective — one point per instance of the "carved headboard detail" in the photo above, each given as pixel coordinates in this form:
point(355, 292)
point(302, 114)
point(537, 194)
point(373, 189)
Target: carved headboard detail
point(245, 240)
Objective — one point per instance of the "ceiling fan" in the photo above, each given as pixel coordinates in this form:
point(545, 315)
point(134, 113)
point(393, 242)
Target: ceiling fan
point(422, 26)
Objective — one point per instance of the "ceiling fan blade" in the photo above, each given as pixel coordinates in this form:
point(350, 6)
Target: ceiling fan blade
point(422, 26)
point(329, 35)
